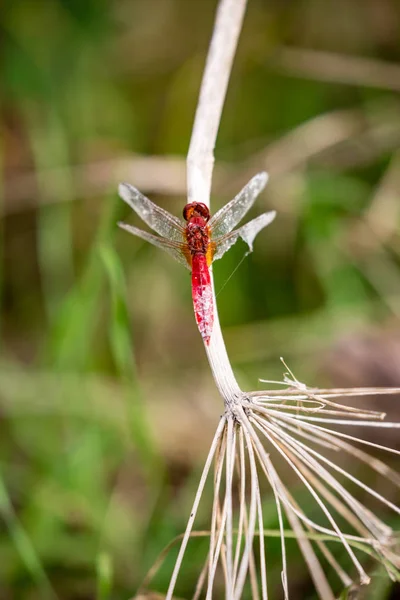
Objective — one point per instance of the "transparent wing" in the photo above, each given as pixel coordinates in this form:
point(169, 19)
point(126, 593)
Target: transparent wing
point(247, 232)
point(229, 215)
point(154, 216)
point(173, 248)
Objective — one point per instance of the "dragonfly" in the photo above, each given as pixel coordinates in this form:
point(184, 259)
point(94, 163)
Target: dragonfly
point(200, 238)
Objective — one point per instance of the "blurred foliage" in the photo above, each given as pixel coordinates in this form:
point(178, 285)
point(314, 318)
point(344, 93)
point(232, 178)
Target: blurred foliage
point(103, 382)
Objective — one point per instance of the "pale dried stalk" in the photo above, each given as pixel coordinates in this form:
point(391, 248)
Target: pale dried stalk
point(200, 160)
point(196, 503)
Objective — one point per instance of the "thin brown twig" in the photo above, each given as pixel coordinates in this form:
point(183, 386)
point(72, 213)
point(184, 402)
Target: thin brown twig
point(337, 68)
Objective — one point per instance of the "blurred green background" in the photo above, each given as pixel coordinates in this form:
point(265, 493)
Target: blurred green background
point(107, 405)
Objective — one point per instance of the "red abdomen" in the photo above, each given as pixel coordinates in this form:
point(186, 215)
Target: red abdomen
point(202, 296)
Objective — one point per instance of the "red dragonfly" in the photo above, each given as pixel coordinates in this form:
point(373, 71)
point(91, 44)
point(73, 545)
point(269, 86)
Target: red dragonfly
point(201, 240)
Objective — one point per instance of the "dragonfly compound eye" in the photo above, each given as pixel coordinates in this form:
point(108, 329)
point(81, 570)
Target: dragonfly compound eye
point(202, 210)
point(196, 209)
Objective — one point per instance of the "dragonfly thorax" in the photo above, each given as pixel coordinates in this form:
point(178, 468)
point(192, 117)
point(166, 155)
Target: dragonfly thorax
point(197, 235)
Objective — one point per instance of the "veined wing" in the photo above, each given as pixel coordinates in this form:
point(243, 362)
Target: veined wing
point(229, 215)
point(247, 232)
point(154, 216)
point(173, 248)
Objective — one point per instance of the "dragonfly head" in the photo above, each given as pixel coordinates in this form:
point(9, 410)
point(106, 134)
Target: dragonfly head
point(196, 209)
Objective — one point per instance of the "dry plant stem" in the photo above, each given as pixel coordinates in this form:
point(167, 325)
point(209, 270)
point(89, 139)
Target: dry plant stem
point(230, 463)
point(252, 563)
point(328, 555)
point(196, 503)
point(252, 571)
point(263, 565)
point(293, 462)
point(309, 451)
point(200, 582)
point(200, 160)
point(214, 548)
point(323, 393)
point(273, 480)
point(346, 580)
point(300, 450)
point(314, 567)
point(217, 483)
point(359, 543)
point(341, 509)
point(244, 564)
point(319, 432)
point(243, 520)
point(219, 362)
point(222, 522)
point(241, 468)
point(317, 574)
